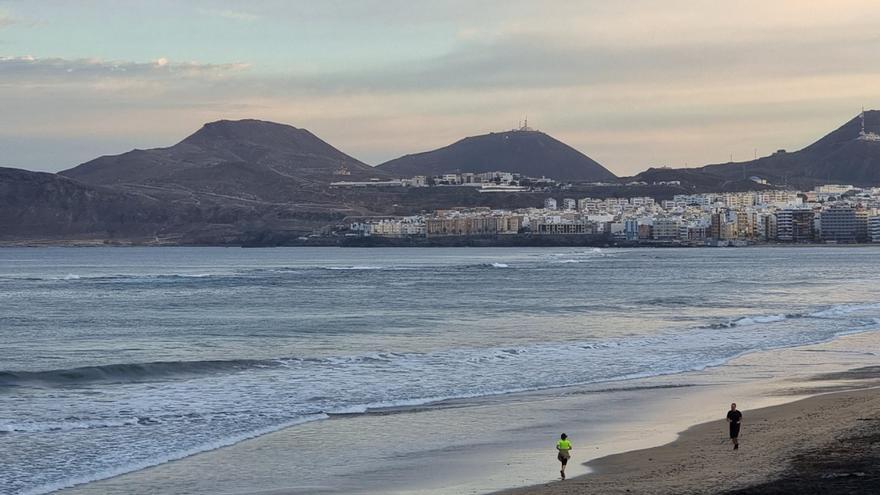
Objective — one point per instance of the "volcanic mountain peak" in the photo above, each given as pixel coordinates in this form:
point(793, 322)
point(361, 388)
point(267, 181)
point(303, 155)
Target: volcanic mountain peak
point(280, 149)
point(257, 133)
point(524, 151)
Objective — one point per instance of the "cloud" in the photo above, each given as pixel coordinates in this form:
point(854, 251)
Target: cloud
point(542, 61)
point(238, 16)
point(45, 71)
point(6, 20)
point(235, 15)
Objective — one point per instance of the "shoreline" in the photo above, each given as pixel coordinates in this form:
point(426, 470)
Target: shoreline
point(620, 422)
point(545, 241)
point(775, 457)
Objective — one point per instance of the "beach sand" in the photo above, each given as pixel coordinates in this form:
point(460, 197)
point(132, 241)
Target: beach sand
point(622, 431)
point(827, 444)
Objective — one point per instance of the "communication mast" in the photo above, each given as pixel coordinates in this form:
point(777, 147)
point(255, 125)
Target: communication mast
point(864, 135)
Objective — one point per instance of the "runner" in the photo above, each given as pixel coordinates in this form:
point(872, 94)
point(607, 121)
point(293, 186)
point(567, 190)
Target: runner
point(564, 448)
point(734, 417)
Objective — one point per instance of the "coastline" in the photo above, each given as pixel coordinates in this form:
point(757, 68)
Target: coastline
point(776, 456)
point(617, 419)
point(509, 241)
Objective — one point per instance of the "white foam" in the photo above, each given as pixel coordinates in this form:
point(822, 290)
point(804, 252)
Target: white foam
point(355, 267)
point(755, 320)
point(843, 310)
point(137, 466)
point(36, 427)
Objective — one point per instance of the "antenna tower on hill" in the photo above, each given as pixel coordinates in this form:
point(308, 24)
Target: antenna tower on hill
point(864, 135)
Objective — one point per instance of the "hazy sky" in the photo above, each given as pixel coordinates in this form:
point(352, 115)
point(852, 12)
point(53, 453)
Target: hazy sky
point(630, 83)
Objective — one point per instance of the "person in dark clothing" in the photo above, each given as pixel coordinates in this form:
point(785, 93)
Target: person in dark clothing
point(734, 417)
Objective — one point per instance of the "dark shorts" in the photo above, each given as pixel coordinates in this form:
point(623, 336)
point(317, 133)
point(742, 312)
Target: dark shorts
point(562, 458)
point(734, 430)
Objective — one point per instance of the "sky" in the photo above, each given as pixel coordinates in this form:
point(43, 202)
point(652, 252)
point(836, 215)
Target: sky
point(631, 83)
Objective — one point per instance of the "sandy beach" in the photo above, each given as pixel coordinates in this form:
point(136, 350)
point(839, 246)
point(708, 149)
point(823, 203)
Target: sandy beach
point(639, 436)
point(827, 444)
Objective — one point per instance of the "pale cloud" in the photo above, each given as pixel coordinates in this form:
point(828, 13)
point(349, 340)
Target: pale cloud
point(234, 15)
point(6, 20)
point(28, 69)
point(238, 16)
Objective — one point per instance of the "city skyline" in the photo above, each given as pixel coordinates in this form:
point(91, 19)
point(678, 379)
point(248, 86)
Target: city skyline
point(636, 85)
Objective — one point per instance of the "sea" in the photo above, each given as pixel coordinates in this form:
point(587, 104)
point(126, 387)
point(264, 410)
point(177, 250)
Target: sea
point(113, 360)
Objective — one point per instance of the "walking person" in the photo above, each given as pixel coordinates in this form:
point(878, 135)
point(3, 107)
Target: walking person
point(734, 417)
point(564, 448)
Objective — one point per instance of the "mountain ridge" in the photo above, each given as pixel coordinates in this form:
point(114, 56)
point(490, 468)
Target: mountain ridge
point(528, 152)
point(841, 155)
point(285, 150)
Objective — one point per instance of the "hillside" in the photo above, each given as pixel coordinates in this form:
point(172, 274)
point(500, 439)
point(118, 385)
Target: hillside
point(269, 152)
point(842, 156)
point(36, 204)
point(527, 152)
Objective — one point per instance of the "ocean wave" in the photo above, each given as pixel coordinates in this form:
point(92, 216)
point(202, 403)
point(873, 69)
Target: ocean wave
point(838, 311)
point(747, 321)
point(171, 370)
point(844, 310)
point(352, 267)
point(71, 424)
point(675, 301)
point(126, 372)
point(73, 277)
point(162, 459)
point(250, 273)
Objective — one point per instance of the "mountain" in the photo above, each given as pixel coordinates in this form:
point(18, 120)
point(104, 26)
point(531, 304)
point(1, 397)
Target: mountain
point(265, 151)
point(37, 207)
point(691, 181)
point(527, 152)
point(846, 155)
point(43, 205)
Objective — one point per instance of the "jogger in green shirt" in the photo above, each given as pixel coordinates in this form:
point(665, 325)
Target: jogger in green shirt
point(564, 448)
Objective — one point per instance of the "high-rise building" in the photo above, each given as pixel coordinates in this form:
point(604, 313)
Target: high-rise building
point(666, 229)
point(715, 226)
point(862, 225)
point(794, 225)
point(569, 204)
point(550, 204)
point(874, 228)
point(838, 224)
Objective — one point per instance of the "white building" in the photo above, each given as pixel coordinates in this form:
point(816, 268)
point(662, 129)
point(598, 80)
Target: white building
point(835, 189)
point(550, 204)
point(451, 178)
point(569, 204)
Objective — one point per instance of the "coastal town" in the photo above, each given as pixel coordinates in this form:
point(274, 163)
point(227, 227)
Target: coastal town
point(830, 214)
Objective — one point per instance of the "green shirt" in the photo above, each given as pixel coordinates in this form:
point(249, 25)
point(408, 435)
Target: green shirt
point(563, 445)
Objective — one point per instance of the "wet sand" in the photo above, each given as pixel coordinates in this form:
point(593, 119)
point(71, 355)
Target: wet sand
point(827, 444)
point(485, 445)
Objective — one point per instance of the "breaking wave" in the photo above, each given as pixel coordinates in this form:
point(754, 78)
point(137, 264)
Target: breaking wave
point(126, 373)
